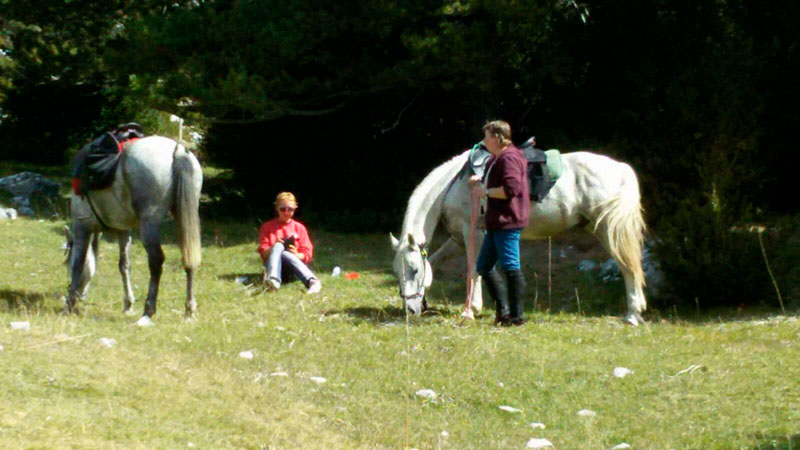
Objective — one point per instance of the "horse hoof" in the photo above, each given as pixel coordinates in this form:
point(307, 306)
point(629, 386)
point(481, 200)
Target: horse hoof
point(145, 321)
point(468, 315)
point(631, 320)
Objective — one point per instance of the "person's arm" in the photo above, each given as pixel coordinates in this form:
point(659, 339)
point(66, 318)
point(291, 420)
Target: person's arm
point(304, 246)
point(512, 181)
point(266, 240)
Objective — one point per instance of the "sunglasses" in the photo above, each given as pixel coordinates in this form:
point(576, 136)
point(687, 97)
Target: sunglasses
point(286, 209)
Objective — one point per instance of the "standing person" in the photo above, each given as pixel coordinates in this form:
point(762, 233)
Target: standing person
point(507, 213)
point(285, 247)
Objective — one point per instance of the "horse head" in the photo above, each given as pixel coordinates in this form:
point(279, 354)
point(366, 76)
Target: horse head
point(413, 272)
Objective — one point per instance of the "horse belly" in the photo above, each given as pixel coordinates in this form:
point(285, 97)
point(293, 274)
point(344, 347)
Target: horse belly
point(548, 219)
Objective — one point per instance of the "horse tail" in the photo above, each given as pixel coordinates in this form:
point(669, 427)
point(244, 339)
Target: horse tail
point(621, 217)
point(188, 182)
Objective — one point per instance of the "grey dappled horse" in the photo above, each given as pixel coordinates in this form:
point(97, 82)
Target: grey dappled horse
point(594, 192)
point(155, 176)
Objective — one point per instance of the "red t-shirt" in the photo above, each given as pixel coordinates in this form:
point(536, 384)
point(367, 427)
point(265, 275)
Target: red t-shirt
point(274, 230)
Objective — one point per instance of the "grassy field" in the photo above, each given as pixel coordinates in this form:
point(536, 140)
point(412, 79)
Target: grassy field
point(696, 382)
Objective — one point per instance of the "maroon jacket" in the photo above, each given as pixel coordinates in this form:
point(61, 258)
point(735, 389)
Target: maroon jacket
point(509, 170)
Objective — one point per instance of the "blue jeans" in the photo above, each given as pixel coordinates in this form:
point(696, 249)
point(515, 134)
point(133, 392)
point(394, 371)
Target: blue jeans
point(499, 246)
point(283, 266)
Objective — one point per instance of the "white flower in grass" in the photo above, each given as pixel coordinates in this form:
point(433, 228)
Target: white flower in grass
point(427, 393)
point(247, 354)
point(586, 413)
point(510, 409)
point(622, 372)
point(621, 446)
point(538, 443)
point(537, 425)
point(318, 380)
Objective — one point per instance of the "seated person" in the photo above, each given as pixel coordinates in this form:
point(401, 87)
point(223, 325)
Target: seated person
point(285, 247)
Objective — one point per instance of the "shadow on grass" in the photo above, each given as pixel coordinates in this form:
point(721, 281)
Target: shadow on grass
point(21, 300)
point(786, 442)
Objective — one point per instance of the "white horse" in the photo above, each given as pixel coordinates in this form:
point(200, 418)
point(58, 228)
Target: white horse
point(155, 176)
point(594, 192)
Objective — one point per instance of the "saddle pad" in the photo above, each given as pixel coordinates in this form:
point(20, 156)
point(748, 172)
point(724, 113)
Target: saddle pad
point(554, 166)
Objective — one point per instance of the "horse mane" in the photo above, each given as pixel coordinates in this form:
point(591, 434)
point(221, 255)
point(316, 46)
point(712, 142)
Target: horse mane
point(432, 187)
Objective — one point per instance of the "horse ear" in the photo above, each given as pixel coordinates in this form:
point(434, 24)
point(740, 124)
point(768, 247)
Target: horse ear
point(411, 242)
point(68, 234)
point(395, 242)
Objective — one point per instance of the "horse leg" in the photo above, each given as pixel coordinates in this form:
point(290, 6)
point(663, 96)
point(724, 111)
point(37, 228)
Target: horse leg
point(191, 304)
point(124, 240)
point(477, 287)
point(634, 294)
point(155, 260)
point(78, 277)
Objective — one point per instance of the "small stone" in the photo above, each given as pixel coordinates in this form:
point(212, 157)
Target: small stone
point(107, 342)
point(510, 409)
point(279, 374)
point(621, 372)
point(247, 354)
point(318, 380)
point(621, 446)
point(426, 393)
point(537, 425)
point(21, 326)
point(538, 443)
point(587, 413)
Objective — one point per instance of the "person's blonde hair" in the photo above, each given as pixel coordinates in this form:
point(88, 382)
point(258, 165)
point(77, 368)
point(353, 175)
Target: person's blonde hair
point(288, 196)
point(499, 129)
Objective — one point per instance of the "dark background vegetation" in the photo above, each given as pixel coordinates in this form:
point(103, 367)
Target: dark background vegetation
point(350, 104)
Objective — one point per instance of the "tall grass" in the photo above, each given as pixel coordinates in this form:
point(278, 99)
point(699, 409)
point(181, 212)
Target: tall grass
point(182, 384)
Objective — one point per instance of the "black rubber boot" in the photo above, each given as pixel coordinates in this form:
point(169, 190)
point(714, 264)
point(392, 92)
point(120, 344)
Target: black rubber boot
point(516, 296)
point(497, 290)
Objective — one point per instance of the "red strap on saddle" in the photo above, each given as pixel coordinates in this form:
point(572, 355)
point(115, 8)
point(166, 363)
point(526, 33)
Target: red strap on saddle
point(124, 143)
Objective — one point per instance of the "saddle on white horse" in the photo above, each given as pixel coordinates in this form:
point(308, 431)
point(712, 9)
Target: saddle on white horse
point(544, 167)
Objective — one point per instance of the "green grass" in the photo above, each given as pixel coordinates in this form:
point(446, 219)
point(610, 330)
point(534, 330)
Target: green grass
point(182, 382)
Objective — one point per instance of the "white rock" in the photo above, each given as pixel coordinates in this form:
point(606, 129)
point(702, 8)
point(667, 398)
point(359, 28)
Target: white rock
point(622, 372)
point(621, 446)
point(145, 322)
point(279, 374)
point(21, 326)
point(318, 380)
point(586, 413)
point(538, 443)
point(537, 425)
point(445, 433)
point(247, 354)
point(426, 393)
point(510, 409)
point(1, 348)
point(241, 280)
point(107, 342)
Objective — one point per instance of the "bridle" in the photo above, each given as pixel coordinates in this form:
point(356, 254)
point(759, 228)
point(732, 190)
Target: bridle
point(421, 285)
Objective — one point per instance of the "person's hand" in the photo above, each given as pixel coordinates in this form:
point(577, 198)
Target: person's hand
point(474, 180)
point(293, 248)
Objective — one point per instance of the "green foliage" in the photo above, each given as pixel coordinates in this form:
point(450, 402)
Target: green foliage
point(709, 261)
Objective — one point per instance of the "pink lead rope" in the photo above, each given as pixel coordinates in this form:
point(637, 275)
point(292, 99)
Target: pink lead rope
point(474, 208)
